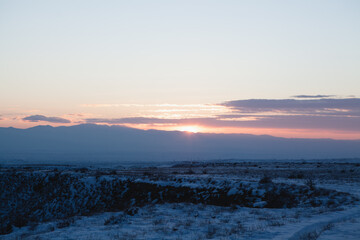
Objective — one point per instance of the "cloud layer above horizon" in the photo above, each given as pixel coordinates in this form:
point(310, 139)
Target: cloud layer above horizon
point(331, 114)
point(305, 116)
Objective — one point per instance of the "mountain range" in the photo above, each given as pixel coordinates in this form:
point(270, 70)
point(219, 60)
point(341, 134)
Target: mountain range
point(89, 142)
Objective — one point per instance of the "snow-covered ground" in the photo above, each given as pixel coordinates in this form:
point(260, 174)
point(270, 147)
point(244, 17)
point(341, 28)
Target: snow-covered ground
point(187, 220)
point(191, 221)
point(349, 230)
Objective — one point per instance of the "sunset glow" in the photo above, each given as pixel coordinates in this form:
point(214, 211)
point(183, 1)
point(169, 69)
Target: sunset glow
point(220, 69)
point(191, 129)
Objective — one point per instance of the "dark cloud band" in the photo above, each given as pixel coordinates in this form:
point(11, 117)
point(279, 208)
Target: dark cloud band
point(331, 105)
point(325, 114)
point(41, 118)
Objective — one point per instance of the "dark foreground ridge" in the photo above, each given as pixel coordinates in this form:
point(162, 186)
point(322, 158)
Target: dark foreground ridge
point(32, 196)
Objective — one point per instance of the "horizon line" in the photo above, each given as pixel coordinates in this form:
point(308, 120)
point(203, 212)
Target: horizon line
point(179, 131)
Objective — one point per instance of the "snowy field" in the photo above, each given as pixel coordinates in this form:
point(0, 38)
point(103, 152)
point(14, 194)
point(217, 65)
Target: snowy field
point(201, 200)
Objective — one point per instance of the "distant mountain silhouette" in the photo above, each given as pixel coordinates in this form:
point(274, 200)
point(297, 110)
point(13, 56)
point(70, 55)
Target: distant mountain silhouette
point(89, 142)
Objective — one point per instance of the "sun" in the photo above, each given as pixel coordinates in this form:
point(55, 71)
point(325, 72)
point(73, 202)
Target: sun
point(191, 129)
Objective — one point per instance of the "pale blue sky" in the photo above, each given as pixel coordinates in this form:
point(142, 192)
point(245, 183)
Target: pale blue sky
point(56, 56)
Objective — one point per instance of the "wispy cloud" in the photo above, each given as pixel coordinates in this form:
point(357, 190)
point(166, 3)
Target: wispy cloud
point(148, 105)
point(41, 118)
point(313, 96)
point(326, 114)
point(276, 122)
point(134, 120)
point(329, 106)
point(100, 105)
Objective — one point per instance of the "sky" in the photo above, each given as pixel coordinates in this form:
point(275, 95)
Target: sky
point(283, 68)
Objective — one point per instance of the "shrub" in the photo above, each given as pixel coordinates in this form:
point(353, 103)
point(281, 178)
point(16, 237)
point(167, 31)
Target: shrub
point(296, 175)
point(131, 211)
point(20, 220)
point(310, 183)
point(115, 220)
point(5, 227)
point(211, 231)
point(33, 226)
point(65, 223)
point(280, 198)
point(265, 180)
point(157, 221)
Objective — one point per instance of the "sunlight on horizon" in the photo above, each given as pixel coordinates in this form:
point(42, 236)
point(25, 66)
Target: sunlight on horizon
point(191, 129)
point(279, 68)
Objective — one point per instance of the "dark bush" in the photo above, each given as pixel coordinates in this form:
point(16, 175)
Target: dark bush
point(20, 220)
point(265, 180)
point(115, 220)
point(280, 198)
point(296, 175)
point(132, 211)
point(5, 227)
point(65, 223)
point(310, 183)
